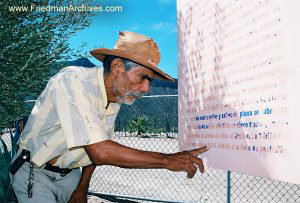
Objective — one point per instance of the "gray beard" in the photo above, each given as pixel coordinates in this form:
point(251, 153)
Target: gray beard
point(127, 94)
point(121, 99)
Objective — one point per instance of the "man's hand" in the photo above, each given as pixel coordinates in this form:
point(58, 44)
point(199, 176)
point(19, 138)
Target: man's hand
point(186, 161)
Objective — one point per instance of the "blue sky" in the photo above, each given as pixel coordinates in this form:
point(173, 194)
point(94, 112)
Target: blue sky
point(154, 18)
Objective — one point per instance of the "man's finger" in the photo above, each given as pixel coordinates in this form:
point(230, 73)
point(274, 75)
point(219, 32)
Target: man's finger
point(201, 150)
point(199, 163)
point(192, 170)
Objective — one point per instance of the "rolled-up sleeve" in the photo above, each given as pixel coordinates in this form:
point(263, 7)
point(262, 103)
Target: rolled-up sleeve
point(79, 118)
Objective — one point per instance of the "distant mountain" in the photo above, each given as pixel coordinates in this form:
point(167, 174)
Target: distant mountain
point(161, 83)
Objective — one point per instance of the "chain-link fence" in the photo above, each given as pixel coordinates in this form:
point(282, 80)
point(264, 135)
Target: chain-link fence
point(169, 186)
point(163, 185)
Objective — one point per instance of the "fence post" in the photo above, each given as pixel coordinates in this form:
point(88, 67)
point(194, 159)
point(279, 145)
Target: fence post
point(228, 186)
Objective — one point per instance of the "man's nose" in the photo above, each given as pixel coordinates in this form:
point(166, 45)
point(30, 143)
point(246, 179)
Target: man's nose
point(146, 86)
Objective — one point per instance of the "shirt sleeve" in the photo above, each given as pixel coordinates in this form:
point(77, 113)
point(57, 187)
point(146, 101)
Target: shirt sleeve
point(78, 116)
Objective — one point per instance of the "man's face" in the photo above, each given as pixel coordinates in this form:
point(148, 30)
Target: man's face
point(132, 84)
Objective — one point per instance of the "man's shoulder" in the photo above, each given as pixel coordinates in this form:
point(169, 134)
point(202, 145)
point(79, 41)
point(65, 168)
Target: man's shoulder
point(77, 72)
point(73, 70)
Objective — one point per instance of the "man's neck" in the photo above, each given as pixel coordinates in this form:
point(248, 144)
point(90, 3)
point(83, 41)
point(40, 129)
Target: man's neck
point(108, 84)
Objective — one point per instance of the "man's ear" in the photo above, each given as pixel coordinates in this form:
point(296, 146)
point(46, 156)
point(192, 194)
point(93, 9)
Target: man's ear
point(117, 66)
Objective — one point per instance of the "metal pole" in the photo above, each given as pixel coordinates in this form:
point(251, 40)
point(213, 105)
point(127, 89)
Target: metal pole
point(172, 95)
point(105, 195)
point(228, 186)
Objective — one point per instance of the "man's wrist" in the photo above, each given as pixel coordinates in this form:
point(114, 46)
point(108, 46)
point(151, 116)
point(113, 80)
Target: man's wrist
point(165, 161)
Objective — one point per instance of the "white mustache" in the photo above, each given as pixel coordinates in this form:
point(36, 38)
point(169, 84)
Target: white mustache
point(135, 94)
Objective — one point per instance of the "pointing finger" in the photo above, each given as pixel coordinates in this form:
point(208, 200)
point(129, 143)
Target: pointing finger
point(198, 151)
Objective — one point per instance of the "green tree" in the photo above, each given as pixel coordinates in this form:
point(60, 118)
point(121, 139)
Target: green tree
point(139, 125)
point(30, 43)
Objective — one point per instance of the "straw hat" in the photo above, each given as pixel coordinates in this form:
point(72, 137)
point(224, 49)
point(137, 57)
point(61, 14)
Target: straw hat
point(137, 48)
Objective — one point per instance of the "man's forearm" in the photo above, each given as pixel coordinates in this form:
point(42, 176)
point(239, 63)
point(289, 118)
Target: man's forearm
point(80, 194)
point(112, 153)
point(85, 178)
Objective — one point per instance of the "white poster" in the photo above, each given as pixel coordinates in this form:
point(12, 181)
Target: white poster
point(239, 84)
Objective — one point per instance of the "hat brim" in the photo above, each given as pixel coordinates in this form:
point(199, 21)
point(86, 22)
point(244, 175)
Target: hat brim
point(102, 52)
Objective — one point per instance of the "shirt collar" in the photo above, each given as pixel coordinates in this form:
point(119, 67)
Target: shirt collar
point(112, 108)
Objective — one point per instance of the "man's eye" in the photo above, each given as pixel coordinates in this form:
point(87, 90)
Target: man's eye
point(146, 77)
point(143, 77)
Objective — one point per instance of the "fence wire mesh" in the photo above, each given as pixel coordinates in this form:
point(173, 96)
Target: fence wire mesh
point(160, 135)
point(173, 186)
